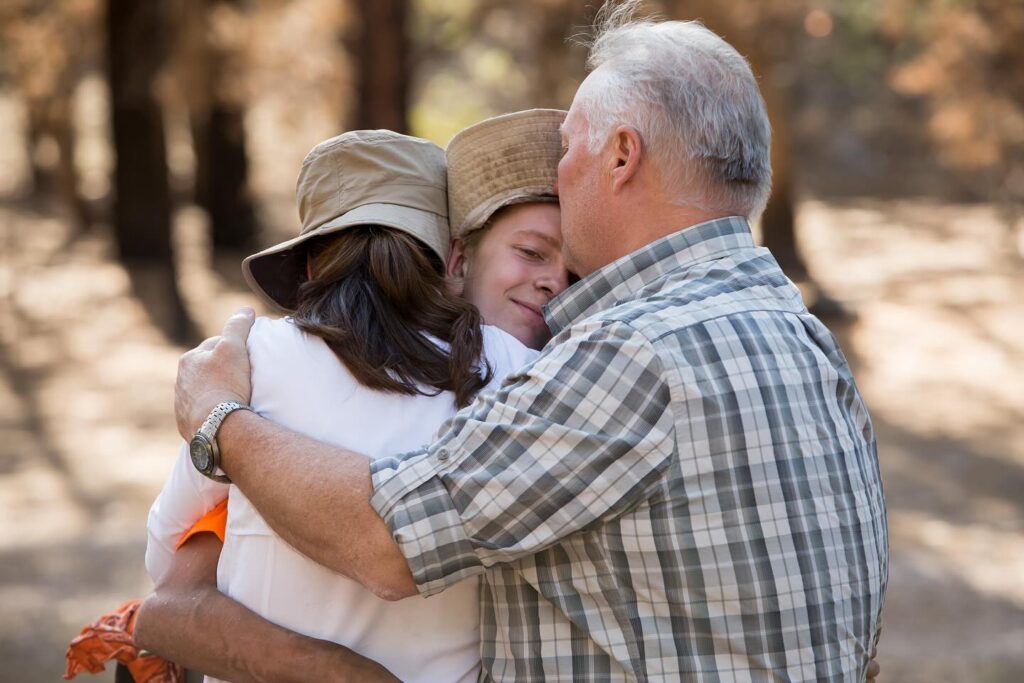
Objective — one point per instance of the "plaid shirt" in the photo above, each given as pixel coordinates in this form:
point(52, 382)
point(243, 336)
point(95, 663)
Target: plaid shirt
point(683, 485)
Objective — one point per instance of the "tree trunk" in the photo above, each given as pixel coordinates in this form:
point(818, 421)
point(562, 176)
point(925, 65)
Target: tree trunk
point(778, 223)
point(557, 61)
point(142, 209)
point(778, 232)
point(381, 58)
point(142, 203)
point(218, 131)
point(222, 172)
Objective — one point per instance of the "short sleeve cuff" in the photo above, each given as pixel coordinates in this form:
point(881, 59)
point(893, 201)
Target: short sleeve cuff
point(412, 500)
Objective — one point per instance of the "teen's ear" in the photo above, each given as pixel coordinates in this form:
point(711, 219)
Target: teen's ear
point(626, 151)
point(457, 258)
point(457, 265)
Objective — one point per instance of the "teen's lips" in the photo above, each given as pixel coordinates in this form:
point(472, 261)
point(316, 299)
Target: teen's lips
point(532, 310)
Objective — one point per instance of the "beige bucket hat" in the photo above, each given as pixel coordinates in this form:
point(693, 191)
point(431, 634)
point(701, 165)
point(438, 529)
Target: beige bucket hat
point(503, 160)
point(364, 177)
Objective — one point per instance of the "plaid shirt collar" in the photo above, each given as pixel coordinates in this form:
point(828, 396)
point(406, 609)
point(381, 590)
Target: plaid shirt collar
point(620, 280)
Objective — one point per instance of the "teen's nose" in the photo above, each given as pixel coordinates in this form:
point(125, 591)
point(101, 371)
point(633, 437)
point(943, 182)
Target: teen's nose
point(551, 283)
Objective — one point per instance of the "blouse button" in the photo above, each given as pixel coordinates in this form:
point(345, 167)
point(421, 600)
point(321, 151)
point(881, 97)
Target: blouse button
point(442, 454)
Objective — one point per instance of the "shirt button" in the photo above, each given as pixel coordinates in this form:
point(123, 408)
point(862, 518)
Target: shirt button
point(442, 454)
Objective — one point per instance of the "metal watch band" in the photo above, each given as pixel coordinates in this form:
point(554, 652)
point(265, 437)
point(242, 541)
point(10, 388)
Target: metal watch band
point(208, 430)
point(213, 421)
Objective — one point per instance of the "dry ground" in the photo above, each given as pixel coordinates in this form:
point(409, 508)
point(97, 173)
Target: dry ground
point(86, 431)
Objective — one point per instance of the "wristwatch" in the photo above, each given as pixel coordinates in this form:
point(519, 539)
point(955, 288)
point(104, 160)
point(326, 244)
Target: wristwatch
point(203, 447)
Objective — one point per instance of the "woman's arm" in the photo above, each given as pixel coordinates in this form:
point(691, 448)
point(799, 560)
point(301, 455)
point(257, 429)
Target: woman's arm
point(188, 621)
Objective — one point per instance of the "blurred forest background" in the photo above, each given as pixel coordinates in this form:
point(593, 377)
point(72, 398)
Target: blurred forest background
point(147, 145)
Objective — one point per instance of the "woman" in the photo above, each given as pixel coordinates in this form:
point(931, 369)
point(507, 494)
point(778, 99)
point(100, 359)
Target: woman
point(371, 294)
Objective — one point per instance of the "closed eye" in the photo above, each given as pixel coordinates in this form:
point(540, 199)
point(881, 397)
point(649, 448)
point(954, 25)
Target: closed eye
point(530, 253)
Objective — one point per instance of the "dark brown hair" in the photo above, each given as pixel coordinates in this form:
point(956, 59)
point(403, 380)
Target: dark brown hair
point(373, 294)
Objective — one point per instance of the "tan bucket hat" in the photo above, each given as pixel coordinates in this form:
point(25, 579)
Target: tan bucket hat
point(503, 160)
point(364, 177)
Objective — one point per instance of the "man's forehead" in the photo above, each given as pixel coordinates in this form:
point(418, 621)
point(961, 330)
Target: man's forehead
point(570, 123)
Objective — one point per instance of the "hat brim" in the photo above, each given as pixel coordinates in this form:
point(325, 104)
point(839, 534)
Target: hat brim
point(276, 273)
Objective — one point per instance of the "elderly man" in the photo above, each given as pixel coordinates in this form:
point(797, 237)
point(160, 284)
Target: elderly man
point(684, 485)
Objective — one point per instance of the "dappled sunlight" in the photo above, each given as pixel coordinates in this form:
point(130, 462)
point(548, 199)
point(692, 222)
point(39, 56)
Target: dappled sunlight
point(990, 561)
point(212, 289)
point(887, 245)
point(936, 347)
point(68, 291)
point(902, 142)
point(939, 303)
point(939, 380)
point(89, 436)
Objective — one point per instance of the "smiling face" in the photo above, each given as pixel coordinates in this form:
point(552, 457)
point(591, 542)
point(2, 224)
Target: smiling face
point(514, 269)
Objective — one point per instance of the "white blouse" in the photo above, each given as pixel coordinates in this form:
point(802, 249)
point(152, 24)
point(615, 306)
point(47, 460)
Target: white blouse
point(300, 384)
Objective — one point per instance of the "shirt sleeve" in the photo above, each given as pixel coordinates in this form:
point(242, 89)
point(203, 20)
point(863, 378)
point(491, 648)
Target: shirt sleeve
point(577, 437)
point(213, 522)
point(187, 495)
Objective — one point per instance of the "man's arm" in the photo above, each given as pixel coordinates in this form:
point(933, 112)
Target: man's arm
point(315, 496)
point(188, 621)
point(580, 437)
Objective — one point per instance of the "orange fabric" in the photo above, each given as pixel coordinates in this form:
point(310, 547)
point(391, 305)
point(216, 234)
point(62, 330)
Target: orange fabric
point(109, 638)
point(215, 522)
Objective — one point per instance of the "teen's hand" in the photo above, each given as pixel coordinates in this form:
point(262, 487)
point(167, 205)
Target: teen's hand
point(215, 371)
point(873, 668)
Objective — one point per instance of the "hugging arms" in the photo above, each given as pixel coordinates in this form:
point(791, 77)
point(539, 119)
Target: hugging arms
point(684, 483)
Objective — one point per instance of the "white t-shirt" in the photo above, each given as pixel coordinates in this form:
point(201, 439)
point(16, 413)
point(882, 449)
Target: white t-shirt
point(300, 384)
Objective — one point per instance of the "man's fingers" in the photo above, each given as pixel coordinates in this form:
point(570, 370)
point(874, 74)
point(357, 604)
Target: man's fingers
point(236, 329)
point(189, 356)
point(208, 344)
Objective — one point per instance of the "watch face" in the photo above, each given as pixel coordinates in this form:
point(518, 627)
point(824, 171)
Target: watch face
point(202, 455)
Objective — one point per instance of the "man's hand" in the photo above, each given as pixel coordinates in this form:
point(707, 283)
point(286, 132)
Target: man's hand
point(217, 370)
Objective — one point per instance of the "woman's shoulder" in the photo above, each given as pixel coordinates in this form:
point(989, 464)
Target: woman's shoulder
point(288, 365)
point(272, 332)
point(274, 342)
point(505, 353)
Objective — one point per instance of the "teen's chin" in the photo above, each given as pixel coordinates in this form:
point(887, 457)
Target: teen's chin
point(535, 336)
point(529, 336)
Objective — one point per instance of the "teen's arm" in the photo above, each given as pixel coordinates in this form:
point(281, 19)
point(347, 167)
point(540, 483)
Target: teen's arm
point(188, 621)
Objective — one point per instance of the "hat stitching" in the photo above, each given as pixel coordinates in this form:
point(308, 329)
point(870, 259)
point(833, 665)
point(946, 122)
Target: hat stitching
point(348, 188)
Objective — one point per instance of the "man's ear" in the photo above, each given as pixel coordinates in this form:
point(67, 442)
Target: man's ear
point(626, 151)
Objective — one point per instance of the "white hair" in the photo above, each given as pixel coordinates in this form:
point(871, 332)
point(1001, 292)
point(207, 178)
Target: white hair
point(694, 101)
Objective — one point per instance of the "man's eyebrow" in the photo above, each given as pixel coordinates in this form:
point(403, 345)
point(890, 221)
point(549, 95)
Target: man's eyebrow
point(557, 244)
